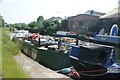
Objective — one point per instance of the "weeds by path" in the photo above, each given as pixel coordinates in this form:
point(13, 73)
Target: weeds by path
point(10, 69)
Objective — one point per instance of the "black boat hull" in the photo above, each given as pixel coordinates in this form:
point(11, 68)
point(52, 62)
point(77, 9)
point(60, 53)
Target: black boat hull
point(100, 75)
point(108, 76)
point(104, 43)
point(106, 40)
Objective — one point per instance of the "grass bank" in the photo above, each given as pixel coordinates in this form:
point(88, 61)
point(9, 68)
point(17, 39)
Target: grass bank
point(0, 53)
point(10, 69)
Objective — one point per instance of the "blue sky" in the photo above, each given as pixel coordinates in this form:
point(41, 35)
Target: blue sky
point(25, 11)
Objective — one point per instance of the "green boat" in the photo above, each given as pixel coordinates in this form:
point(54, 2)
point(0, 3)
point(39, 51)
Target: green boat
point(54, 60)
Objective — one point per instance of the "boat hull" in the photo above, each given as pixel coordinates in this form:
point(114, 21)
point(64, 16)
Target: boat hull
point(101, 75)
point(49, 58)
point(108, 76)
point(106, 40)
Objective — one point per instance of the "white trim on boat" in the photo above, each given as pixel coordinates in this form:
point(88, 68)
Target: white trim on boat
point(74, 57)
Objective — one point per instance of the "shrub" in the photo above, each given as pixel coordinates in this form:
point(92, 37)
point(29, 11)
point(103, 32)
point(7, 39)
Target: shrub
point(83, 38)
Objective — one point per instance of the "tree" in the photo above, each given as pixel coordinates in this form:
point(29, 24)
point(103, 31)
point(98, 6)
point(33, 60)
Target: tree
point(19, 26)
point(32, 25)
point(40, 19)
point(1, 21)
point(49, 27)
point(58, 23)
point(39, 23)
point(24, 26)
point(64, 25)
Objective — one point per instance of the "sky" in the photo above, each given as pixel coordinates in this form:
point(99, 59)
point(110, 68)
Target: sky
point(26, 11)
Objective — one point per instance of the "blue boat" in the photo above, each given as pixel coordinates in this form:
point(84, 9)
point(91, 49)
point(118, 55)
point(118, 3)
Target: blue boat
point(107, 40)
point(112, 39)
point(95, 61)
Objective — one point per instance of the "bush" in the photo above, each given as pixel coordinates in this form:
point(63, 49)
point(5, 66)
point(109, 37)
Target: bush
point(83, 38)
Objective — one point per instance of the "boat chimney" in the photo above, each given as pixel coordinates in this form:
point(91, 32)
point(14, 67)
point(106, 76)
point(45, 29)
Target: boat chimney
point(39, 41)
point(59, 43)
point(77, 42)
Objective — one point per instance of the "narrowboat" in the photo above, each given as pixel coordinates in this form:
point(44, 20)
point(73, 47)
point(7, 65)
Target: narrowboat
point(111, 39)
point(95, 61)
point(88, 59)
point(44, 51)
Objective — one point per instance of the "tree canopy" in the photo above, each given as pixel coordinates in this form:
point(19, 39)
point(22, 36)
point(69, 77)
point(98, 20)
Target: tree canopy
point(44, 27)
point(2, 22)
point(49, 27)
point(40, 19)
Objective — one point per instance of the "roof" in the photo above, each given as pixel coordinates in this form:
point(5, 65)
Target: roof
point(55, 18)
point(99, 13)
point(81, 15)
point(94, 13)
point(112, 14)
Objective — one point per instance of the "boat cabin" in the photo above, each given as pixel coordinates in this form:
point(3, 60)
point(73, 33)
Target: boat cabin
point(91, 56)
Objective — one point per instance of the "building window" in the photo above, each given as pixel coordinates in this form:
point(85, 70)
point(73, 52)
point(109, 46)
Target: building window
point(71, 22)
point(80, 23)
point(85, 27)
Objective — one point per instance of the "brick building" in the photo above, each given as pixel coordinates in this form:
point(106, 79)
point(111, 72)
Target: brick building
point(82, 22)
point(113, 17)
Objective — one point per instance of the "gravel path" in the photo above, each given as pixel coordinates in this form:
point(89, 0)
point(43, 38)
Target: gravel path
point(34, 69)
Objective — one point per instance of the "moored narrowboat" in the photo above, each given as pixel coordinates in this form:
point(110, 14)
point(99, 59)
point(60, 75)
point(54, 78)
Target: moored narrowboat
point(45, 53)
point(95, 61)
point(111, 39)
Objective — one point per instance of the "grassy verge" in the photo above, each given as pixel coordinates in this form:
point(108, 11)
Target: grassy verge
point(9, 67)
point(0, 52)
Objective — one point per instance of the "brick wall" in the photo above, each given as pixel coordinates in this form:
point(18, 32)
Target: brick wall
point(80, 23)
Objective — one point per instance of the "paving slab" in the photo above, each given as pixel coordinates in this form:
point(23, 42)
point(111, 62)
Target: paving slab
point(34, 69)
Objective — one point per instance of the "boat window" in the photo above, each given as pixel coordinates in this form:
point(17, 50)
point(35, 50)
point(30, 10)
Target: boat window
point(102, 55)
